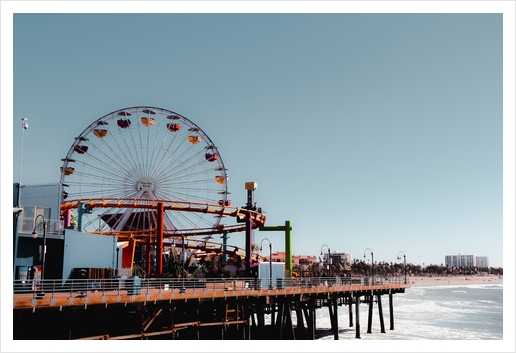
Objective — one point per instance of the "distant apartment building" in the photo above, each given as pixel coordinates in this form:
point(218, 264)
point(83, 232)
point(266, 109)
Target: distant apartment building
point(483, 261)
point(461, 260)
point(338, 257)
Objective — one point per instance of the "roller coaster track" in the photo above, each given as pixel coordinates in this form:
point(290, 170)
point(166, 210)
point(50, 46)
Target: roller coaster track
point(258, 218)
point(186, 235)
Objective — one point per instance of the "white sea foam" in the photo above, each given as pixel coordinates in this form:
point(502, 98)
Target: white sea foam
point(475, 312)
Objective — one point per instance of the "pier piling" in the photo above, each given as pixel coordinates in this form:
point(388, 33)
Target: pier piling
point(370, 316)
point(350, 309)
point(357, 316)
point(380, 313)
point(391, 310)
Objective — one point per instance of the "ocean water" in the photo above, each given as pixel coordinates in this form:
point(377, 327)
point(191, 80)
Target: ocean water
point(471, 312)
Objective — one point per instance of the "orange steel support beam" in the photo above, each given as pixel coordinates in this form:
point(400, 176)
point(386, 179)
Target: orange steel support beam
point(148, 255)
point(128, 254)
point(159, 251)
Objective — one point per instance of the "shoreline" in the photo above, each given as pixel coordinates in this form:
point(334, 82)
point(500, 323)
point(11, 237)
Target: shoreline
point(418, 281)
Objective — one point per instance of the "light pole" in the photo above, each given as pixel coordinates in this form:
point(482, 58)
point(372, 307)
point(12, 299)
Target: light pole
point(35, 235)
point(270, 260)
point(404, 264)
point(329, 258)
point(372, 262)
point(182, 290)
point(25, 126)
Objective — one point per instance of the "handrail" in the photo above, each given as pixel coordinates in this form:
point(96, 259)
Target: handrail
point(51, 292)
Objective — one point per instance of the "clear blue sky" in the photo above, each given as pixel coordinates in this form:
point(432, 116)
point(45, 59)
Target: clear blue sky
point(380, 131)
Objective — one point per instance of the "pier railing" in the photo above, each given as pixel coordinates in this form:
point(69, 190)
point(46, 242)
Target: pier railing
point(50, 291)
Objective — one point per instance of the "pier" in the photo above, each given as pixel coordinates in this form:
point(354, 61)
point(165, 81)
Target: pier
point(195, 308)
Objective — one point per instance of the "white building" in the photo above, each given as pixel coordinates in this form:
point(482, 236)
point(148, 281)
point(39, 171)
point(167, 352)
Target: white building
point(338, 257)
point(483, 261)
point(466, 261)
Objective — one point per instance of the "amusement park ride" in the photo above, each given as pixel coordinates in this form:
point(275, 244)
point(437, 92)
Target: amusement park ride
point(153, 178)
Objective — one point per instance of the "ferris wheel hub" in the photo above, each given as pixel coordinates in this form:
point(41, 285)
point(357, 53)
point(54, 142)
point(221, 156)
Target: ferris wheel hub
point(145, 185)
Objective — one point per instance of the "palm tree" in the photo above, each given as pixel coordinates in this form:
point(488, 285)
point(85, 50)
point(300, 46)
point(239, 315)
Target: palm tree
point(314, 269)
point(239, 263)
point(336, 269)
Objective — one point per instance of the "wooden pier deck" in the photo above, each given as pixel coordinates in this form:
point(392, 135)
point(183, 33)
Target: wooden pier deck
point(229, 309)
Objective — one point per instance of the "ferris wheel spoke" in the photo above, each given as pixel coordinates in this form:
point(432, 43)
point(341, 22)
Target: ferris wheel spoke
point(191, 220)
point(113, 193)
point(165, 152)
point(109, 158)
point(180, 171)
point(139, 144)
point(108, 177)
point(185, 192)
point(178, 179)
point(124, 150)
point(175, 181)
point(101, 168)
point(168, 154)
point(150, 160)
point(96, 187)
point(169, 163)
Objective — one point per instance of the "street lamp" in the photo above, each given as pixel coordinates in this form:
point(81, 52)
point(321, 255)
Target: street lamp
point(25, 126)
point(270, 260)
point(329, 258)
point(404, 264)
point(372, 261)
point(35, 235)
point(182, 290)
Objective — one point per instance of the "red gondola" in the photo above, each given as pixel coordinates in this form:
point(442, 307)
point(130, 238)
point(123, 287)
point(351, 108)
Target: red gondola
point(124, 123)
point(173, 127)
point(211, 157)
point(80, 149)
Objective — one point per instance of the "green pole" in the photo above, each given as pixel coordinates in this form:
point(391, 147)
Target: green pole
point(288, 248)
point(287, 228)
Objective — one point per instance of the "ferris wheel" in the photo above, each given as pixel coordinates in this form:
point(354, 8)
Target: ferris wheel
point(146, 154)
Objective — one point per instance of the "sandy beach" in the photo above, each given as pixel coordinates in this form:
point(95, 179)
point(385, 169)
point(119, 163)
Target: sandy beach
point(453, 280)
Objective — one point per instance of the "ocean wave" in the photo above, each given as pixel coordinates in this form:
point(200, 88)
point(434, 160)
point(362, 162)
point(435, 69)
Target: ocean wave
point(429, 313)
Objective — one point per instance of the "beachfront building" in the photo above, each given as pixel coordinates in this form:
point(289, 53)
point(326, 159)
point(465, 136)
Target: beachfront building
point(303, 263)
point(300, 263)
point(279, 256)
point(482, 261)
point(460, 260)
point(338, 257)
